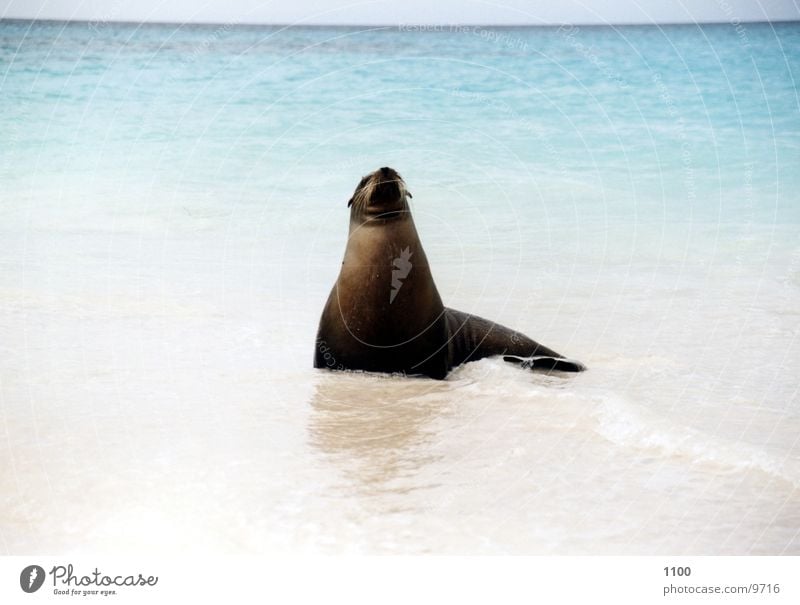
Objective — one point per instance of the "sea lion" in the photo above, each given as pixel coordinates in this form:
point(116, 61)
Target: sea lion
point(384, 313)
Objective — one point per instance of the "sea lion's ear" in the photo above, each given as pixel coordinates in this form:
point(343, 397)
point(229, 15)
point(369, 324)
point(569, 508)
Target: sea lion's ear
point(408, 193)
point(350, 202)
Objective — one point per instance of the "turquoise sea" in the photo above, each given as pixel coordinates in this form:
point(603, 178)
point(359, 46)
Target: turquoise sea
point(173, 215)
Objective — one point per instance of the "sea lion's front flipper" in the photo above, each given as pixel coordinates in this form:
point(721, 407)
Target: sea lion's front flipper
point(540, 362)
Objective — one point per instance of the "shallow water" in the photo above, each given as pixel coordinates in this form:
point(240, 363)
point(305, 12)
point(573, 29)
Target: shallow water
point(173, 217)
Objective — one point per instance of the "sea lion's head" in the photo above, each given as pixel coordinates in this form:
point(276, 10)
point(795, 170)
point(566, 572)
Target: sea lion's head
point(380, 194)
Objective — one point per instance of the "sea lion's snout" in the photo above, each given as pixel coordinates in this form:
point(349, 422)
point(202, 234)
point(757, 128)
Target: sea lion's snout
point(382, 191)
point(387, 188)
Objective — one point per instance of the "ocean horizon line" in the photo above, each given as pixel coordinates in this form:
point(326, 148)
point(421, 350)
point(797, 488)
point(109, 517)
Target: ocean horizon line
point(431, 27)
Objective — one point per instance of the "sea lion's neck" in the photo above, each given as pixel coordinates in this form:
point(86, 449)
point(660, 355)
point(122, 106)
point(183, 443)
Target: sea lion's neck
point(360, 219)
point(379, 231)
point(375, 243)
point(387, 277)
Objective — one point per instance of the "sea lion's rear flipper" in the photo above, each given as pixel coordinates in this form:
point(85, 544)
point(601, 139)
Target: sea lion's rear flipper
point(471, 338)
point(546, 363)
